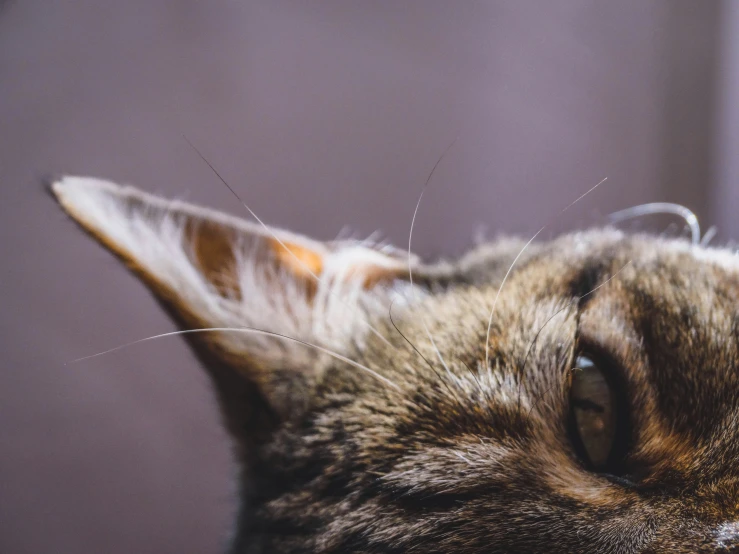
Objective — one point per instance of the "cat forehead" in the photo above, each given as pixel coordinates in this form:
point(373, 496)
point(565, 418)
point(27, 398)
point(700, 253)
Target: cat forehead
point(645, 248)
point(648, 264)
point(643, 274)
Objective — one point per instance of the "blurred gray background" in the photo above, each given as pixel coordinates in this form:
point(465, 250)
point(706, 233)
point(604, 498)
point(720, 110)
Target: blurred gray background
point(323, 115)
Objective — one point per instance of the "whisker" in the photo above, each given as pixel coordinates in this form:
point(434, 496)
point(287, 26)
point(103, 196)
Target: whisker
point(247, 330)
point(410, 239)
point(425, 359)
point(661, 208)
point(452, 393)
point(413, 289)
point(274, 235)
point(474, 376)
point(406, 339)
point(505, 277)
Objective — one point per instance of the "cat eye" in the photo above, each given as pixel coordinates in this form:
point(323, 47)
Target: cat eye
point(592, 413)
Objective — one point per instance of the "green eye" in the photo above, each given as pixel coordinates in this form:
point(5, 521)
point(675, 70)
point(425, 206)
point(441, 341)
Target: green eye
point(593, 413)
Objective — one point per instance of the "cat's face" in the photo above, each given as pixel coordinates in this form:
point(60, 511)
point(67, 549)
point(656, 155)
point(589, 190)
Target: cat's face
point(594, 409)
point(495, 462)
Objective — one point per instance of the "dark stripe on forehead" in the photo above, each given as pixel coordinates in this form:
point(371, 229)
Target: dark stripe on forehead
point(691, 348)
point(588, 277)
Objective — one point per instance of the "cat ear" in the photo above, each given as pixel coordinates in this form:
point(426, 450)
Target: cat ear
point(211, 270)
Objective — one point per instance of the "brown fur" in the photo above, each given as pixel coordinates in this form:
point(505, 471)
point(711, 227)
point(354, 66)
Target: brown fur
point(459, 457)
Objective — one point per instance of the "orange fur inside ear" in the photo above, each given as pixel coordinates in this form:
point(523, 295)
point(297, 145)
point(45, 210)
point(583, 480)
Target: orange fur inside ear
point(299, 260)
point(304, 263)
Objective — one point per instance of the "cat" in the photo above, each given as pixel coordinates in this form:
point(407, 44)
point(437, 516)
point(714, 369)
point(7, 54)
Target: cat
point(566, 396)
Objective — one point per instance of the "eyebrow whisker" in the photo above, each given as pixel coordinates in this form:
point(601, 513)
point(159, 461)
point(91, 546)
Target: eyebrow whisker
point(248, 330)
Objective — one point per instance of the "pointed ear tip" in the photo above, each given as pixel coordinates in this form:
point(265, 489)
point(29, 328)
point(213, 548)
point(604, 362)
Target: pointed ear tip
point(67, 186)
point(47, 182)
point(72, 191)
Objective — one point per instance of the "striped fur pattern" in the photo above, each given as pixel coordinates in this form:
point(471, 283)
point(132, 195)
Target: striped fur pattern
point(418, 445)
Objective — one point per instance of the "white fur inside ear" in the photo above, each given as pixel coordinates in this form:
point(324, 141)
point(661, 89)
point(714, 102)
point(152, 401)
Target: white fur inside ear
point(142, 227)
point(90, 201)
point(148, 235)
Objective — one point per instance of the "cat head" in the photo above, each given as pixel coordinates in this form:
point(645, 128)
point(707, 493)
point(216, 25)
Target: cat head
point(577, 395)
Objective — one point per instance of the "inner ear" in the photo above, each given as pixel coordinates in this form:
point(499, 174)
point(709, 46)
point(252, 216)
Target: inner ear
point(220, 250)
point(212, 270)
